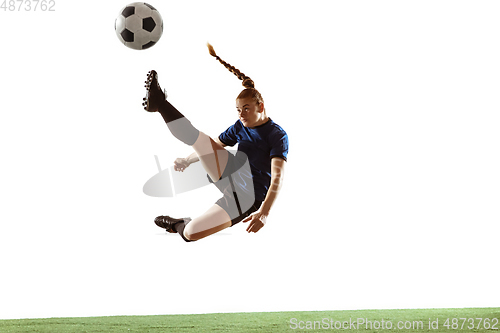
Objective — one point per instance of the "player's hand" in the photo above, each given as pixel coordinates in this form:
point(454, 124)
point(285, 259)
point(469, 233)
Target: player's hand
point(181, 164)
point(257, 221)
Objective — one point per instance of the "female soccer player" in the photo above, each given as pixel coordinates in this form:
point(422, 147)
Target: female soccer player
point(250, 181)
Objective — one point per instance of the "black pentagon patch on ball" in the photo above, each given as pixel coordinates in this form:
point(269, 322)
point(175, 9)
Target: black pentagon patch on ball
point(127, 35)
point(148, 45)
point(128, 11)
point(148, 24)
point(147, 4)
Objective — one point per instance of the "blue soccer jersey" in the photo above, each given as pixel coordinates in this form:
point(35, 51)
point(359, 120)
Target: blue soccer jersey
point(260, 144)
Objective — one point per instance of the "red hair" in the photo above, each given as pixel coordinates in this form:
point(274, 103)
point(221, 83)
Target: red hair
point(249, 91)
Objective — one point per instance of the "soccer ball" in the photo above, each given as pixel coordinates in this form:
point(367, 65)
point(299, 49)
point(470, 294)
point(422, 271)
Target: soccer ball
point(139, 26)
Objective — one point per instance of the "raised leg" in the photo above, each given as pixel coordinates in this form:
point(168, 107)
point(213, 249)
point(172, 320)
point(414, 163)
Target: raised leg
point(212, 155)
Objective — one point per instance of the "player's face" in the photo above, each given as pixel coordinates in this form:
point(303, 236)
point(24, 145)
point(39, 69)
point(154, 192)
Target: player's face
point(250, 113)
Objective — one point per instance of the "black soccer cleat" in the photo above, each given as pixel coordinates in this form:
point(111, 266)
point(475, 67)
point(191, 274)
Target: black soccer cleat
point(167, 222)
point(154, 95)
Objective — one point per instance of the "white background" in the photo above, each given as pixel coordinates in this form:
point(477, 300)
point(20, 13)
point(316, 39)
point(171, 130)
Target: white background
point(392, 186)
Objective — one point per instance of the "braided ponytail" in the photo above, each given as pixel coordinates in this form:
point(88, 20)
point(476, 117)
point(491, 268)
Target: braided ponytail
point(247, 82)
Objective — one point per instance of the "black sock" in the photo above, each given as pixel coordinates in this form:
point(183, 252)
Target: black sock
point(179, 227)
point(169, 112)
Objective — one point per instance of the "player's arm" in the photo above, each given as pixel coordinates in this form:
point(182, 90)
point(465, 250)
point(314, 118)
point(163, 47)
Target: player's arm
point(181, 164)
point(277, 173)
point(192, 158)
point(258, 220)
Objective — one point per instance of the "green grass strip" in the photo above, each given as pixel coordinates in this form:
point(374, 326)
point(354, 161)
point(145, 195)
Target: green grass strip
point(420, 320)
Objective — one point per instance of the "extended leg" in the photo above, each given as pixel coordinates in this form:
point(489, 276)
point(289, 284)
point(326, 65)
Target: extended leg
point(212, 155)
